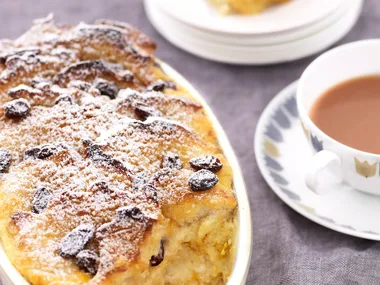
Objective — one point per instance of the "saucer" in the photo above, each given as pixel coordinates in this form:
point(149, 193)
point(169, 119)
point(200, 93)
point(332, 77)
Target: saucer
point(282, 152)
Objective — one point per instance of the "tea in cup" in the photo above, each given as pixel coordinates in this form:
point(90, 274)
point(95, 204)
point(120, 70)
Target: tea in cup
point(338, 99)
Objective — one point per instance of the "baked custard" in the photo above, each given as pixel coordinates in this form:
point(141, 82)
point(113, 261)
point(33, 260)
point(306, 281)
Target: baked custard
point(110, 172)
point(244, 6)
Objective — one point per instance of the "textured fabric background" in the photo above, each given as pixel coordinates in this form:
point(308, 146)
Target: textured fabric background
point(287, 248)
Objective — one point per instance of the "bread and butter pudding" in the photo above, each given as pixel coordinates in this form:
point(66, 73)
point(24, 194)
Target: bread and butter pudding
point(245, 6)
point(110, 172)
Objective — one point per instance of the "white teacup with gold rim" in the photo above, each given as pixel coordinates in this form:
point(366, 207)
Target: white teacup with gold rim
point(336, 163)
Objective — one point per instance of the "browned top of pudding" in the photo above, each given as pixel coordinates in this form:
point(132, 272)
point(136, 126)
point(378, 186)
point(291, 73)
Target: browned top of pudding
point(103, 158)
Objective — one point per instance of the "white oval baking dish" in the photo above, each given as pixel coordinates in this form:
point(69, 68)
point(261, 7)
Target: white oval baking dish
point(10, 276)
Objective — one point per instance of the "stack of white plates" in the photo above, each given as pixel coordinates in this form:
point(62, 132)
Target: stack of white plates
point(283, 33)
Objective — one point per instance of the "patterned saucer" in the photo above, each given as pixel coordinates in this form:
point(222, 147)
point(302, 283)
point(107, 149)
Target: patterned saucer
point(282, 152)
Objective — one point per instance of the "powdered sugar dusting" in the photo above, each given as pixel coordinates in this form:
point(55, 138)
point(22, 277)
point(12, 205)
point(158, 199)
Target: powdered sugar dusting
point(83, 157)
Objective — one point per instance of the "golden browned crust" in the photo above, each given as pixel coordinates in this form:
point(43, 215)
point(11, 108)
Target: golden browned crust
point(139, 39)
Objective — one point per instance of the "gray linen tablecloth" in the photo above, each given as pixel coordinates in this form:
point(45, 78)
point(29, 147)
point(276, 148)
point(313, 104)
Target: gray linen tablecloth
point(287, 248)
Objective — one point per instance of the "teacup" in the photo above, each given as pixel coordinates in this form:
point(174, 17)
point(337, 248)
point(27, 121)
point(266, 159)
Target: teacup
point(335, 163)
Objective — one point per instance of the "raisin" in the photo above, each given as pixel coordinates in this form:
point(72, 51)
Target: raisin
point(81, 85)
point(94, 152)
point(40, 152)
point(139, 181)
point(17, 109)
point(46, 151)
point(161, 85)
point(88, 261)
point(144, 111)
point(83, 69)
point(129, 212)
point(41, 200)
point(106, 88)
point(202, 180)
point(207, 162)
point(126, 75)
point(172, 160)
point(5, 160)
point(32, 153)
point(159, 174)
point(76, 240)
point(65, 98)
point(150, 192)
point(101, 186)
point(156, 260)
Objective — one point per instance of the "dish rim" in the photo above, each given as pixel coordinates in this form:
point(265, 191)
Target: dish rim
point(320, 40)
point(9, 275)
point(222, 32)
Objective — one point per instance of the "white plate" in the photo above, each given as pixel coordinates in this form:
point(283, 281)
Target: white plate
point(282, 150)
point(293, 15)
point(10, 276)
point(261, 54)
point(248, 40)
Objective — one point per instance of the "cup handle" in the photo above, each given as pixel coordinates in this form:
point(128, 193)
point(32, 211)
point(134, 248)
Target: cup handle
point(324, 172)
